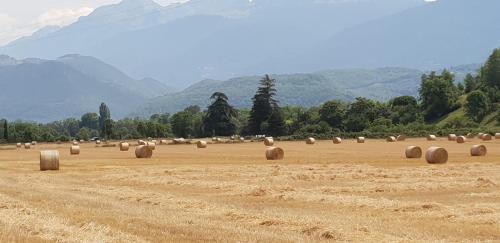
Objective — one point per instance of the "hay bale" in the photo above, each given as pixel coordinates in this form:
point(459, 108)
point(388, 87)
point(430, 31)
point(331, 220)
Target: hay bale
point(436, 155)
point(275, 153)
point(141, 142)
point(49, 160)
point(361, 139)
point(82, 141)
point(98, 142)
point(27, 145)
point(19, 145)
point(310, 141)
point(497, 135)
point(201, 144)
point(391, 139)
point(242, 139)
point(151, 145)
point(269, 141)
point(480, 135)
point(487, 137)
point(214, 139)
point(452, 137)
point(33, 143)
point(401, 138)
point(337, 140)
point(74, 150)
point(143, 152)
point(478, 150)
point(124, 146)
point(179, 141)
point(431, 137)
point(75, 143)
point(163, 142)
point(470, 135)
point(413, 152)
point(461, 139)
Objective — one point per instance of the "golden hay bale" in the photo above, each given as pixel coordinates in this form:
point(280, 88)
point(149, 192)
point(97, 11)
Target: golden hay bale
point(497, 135)
point(431, 138)
point(75, 143)
point(461, 139)
point(470, 135)
point(436, 155)
point(74, 150)
point(487, 137)
point(124, 146)
point(413, 152)
point(214, 139)
point(27, 145)
point(401, 138)
point(49, 160)
point(98, 142)
point(19, 145)
point(143, 152)
point(163, 142)
point(275, 153)
point(179, 141)
point(310, 141)
point(361, 139)
point(242, 139)
point(33, 143)
point(141, 142)
point(151, 145)
point(337, 140)
point(201, 144)
point(480, 135)
point(82, 141)
point(478, 150)
point(452, 137)
point(269, 141)
point(391, 139)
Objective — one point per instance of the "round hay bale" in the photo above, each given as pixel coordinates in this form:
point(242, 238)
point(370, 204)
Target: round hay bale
point(269, 141)
point(33, 143)
point(391, 139)
point(431, 137)
point(27, 145)
point(310, 141)
point(179, 141)
point(470, 135)
point(163, 142)
point(436, 155)
point(98, 142)
point(242, 139)
point(337, 140)
point(151, 145)
point(19, 145)
point(124, 146)
point(82, 141)
point(497, 135)
point(452, 137)
point(143, 152)
point(478, 150)
point(401, 138)
point(480, 135)
point(141, 142)
point(201, 144)
point(413, 152)
point(275, 153)
point(361, 139)
point(461, 139)
point(487, 137)
point(75, 143)
point(214, 139)
point(74, 150)
point(49, 160)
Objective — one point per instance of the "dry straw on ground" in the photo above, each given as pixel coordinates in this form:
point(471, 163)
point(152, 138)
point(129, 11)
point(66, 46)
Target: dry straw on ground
point(478, 150)
point(74, 150)
point(124, 146)
point(275, 153)
point(143, 152)
point(269, 141)
point(413, 152)
point(436, 155)
point(461, 139)
point(310, 141)
point(337, 140)
point(201, 144)
point(49, 160)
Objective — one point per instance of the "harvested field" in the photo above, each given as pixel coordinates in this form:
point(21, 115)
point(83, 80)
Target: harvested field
point(230, 193)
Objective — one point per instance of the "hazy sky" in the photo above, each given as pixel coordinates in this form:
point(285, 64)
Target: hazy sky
point(23, 17)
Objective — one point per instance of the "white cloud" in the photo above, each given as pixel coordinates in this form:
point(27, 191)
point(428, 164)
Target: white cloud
point(62, 17)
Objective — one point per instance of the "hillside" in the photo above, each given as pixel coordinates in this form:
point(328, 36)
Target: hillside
point(297, 89)
point(45, 90)
point(205, 39)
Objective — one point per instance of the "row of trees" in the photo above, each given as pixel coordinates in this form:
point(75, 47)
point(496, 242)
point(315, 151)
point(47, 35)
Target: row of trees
point(439, 95)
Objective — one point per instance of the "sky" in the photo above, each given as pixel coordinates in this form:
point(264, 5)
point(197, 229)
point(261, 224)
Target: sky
point(23, 17)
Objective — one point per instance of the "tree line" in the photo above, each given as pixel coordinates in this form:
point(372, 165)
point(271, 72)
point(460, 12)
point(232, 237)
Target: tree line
point(439, 95)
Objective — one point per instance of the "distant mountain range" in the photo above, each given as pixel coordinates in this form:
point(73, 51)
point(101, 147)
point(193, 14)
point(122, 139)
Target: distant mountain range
point(47, 90)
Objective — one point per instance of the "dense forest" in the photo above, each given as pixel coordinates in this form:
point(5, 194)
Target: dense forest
point(443, 106)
